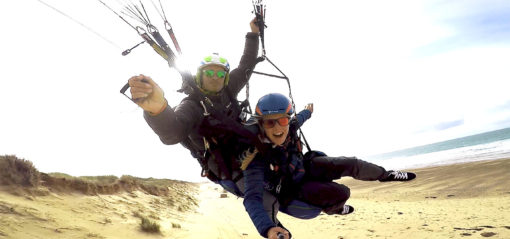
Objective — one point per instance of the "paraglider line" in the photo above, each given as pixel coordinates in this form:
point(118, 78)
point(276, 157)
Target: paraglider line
point(81, 24)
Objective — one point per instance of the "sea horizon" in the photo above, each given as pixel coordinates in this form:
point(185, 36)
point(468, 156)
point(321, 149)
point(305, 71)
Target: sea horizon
point(489, 145)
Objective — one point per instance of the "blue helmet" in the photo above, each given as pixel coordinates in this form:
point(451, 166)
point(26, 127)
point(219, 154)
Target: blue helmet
point(273, 103)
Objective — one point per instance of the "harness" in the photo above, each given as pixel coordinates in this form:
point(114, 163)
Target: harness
point(223, 134)
point(287, 167)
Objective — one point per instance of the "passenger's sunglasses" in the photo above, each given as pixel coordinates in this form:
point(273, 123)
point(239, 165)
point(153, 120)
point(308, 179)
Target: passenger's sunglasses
point(210, 73)
point(270, 123)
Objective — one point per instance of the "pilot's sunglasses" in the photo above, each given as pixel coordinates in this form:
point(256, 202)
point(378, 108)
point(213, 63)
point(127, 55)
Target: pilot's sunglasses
point(270, 123)
point(210, 73)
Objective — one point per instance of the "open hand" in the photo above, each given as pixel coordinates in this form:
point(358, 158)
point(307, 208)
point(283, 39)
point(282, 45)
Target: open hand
point(309, 107)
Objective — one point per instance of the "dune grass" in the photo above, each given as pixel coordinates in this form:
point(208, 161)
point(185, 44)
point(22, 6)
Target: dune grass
point(16, 171)
point(147, 225)
point(176, 225)
point(101, 180)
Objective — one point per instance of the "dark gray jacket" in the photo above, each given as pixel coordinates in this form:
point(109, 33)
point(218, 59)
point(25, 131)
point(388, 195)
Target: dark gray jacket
point(181, 124)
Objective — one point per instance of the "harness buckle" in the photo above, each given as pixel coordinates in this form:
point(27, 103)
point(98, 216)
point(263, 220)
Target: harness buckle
point(205, 109)
point(208, 101)
point(279, 187)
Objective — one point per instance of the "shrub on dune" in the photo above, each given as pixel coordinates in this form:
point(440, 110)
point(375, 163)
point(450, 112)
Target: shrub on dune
point(18, 171)
point(149, 226)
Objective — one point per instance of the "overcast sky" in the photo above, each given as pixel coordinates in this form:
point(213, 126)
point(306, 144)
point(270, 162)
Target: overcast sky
point(383, 75)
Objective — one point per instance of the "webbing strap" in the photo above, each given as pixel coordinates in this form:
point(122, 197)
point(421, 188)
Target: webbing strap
point(155, 46)
point(267, 74)
point(260, 14)
point(170, 31)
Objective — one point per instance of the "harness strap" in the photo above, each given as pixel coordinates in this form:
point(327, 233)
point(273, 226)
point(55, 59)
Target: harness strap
point(306, 142)
point(205, 108)
point(222, 166)
point(238, 178)
point(228, 123)
point(247, 157)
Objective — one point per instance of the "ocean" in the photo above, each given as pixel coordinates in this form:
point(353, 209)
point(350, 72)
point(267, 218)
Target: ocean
point(485, 146)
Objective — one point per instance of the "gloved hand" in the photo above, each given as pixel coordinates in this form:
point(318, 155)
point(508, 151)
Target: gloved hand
point(147, 94)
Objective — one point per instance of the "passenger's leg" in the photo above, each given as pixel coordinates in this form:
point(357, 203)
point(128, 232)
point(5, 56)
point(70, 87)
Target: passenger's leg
point(329, 196)
point(325, 168)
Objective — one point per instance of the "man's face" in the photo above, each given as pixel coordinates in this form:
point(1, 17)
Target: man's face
point(212, 80)
point(275, 131)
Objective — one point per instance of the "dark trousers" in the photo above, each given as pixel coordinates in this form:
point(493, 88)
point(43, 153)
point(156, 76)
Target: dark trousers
point(318, 187)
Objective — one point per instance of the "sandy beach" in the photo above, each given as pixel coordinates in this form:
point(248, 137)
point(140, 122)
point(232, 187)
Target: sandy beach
point(469, 200)
point(456, 201)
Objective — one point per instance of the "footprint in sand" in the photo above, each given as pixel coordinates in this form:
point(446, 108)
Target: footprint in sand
point(488, 226)
point(488, 234)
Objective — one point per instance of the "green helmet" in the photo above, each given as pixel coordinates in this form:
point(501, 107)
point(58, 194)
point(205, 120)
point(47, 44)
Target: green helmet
point(213, 59)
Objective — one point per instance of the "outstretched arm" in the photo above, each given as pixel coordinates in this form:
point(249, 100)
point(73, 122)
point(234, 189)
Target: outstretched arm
point(239, 76)
point(171, 125)
point(304, 115)
point(174, 125)
point(253, 197)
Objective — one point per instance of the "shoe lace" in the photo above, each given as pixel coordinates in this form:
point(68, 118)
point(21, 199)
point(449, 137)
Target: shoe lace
point(400, 175)
point(346, 209)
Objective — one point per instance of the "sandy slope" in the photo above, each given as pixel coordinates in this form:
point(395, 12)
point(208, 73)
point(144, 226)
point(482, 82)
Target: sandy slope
point(469, 200)
point(71, 215)
point(218, 218)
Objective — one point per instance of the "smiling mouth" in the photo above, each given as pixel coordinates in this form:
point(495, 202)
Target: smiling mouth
point(279, 134)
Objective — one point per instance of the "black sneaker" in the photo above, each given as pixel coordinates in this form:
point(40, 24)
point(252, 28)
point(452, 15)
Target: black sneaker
point(398, 176)
point(346, 210)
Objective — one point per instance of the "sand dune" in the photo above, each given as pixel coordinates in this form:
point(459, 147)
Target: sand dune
point(456, 201)
point(73, 215)
point(38, 205)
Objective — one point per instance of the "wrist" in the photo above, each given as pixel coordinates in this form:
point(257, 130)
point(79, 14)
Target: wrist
point(159, 109)
point(252, 35)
